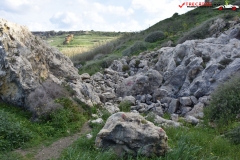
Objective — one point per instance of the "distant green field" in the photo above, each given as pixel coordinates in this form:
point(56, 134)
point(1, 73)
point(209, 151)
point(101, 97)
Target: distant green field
point(82, 43)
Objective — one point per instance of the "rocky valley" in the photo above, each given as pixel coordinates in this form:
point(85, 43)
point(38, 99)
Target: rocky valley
point(174, 80)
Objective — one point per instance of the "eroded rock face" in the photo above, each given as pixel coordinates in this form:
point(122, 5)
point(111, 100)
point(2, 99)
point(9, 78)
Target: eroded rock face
point(26, 61)
point(131, 133)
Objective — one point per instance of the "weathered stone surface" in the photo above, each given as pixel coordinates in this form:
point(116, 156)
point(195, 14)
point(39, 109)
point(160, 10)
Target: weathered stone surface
point(131, 133)
point(186, 101)
point(173, 106)
point(197, 111)
point(194, 100)
point(185, 110)
point(85, 76)
point(159, 94)
point(174, 117)
point(129, 99)
point(165, 122)
point(98, 121)
point(191, 119)
point(139, 84)
point(116, 66)
point(26, 61)
point(111, 107)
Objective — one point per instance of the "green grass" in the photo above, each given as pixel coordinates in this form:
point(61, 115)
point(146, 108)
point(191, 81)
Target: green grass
point(18, 131)
point(82, 42)
point(189, 143)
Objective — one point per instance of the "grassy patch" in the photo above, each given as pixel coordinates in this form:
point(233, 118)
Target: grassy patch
point(18, 131)
point(186, 144)
point(125, 106)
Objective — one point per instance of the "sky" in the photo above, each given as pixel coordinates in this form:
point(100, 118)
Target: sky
point(97, 15)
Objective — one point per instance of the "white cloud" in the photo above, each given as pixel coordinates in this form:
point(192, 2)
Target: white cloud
point(115, 10)
point(93, 17)
point(65, 20)
point(124, 15)
point(18, 6)
point(159, 10)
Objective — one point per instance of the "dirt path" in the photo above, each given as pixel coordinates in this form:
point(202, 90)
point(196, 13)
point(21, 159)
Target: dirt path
point(55, 149)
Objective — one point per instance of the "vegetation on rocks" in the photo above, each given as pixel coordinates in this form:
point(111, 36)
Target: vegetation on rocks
point(225, 104)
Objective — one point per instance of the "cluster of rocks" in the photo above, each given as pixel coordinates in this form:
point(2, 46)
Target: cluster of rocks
point(176, 80)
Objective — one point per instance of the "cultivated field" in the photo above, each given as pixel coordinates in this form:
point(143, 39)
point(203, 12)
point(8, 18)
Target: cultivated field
point(82, 42)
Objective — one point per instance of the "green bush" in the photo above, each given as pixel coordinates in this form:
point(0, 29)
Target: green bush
point(225, 103)
point(95, 66)
point(199, 32)
point(125, 68)
point(12, 133)
point(137, 62)
point(234, 135)
point(155, 36)
point(137, 47)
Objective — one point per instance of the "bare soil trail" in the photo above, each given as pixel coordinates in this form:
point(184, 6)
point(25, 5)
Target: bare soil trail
point(55, 149)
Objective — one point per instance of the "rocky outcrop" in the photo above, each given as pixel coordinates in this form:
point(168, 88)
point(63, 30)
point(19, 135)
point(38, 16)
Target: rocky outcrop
point(177, 79)
point(26, 62)
point(131, 133)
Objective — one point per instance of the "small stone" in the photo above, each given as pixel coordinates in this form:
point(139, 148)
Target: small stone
point(98, 121)
point(192, 120)
point(174, 117)
point(89, 136)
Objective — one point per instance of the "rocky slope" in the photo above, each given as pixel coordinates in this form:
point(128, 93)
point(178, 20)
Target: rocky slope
point(26, 62)
point(172, 79)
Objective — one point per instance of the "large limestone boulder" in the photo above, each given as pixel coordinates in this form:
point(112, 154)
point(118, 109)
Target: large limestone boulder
point(142, 83)
point(131, 133)
point(26, 62)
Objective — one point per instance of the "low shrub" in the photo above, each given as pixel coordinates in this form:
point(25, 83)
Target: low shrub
point(225, 103)
point(12, 133)
point(137, 62)
point(234, 135)
point(125, 68)
point(137, 47)
point(154, 36)
point(199, 32)
point(41, 100)
point(97, 65)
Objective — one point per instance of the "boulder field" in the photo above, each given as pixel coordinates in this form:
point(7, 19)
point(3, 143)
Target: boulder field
point(177, 80)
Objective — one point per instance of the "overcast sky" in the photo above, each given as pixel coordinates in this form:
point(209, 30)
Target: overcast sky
point(98, 15)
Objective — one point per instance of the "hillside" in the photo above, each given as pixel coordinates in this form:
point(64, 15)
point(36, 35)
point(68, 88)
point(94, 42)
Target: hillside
point(178, 28)
point(168, 92)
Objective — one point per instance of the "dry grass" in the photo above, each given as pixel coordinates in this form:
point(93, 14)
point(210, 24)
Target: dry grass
point(71, 52)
